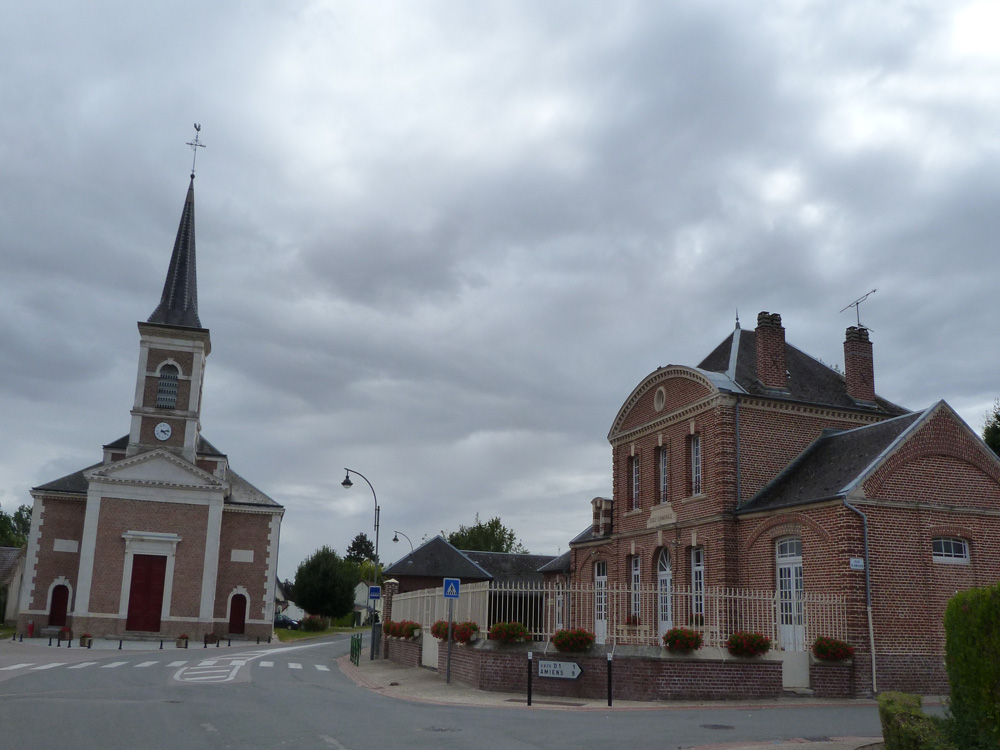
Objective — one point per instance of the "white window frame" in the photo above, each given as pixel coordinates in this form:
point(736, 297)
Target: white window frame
point(664, 475)
point(636, 502)
point(950, 550)
point(695, 443)
point(636, 584)
point(698, 581)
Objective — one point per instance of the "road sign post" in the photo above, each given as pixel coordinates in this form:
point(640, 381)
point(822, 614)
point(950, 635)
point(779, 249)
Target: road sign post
point(451, 589)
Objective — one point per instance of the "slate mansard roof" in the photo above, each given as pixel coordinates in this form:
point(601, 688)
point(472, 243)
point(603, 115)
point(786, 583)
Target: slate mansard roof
point(809, 380)
point(436, 558)
point(833, 464)
point(241, 492)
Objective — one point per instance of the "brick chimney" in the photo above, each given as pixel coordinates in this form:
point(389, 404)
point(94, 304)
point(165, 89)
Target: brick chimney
point(771, 369)
point(859, 365)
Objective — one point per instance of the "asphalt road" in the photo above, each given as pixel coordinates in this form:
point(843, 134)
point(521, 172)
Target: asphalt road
point(285, 696)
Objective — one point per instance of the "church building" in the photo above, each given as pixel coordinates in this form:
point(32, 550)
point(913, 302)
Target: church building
point(161, 537)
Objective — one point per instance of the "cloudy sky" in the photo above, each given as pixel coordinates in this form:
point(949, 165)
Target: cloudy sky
point(440, 242)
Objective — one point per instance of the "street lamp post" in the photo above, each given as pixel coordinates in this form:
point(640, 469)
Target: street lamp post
point(347, 484)
point(376, 626)
point(395, 538)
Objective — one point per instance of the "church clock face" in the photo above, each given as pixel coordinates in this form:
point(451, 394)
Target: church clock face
point(162, 431)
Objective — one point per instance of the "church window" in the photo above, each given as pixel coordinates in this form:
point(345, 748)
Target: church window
point(694, 448)
point(635, 483)
point(166, 388)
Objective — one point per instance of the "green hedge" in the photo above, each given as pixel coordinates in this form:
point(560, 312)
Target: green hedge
point(972, 632)
point(906, 727)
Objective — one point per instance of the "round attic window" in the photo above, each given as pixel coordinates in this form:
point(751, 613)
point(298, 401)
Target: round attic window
point(660, 398)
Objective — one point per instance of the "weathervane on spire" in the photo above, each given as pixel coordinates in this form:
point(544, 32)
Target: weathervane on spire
point(857, 306)
point(195, 145)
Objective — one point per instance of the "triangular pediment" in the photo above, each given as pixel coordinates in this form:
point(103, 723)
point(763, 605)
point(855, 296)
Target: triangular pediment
point(158, 468)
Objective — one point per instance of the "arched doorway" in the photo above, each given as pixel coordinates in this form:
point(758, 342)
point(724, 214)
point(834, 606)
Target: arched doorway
point(60, 606)
point(237, 614)
point(664, 593)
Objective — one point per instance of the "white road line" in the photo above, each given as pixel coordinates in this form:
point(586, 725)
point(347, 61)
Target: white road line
point(263, 664)
point(322, 667)
point(294, 665)
point(49, 666)
point(177, 663)
point(16, 666)
point(146, 664)
point(208, 662)
point(114, 664)
point(83, 664)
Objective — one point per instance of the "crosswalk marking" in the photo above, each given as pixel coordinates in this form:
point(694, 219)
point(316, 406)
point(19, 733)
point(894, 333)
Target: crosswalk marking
point(322, 668)
point(207, 669)
point(294, 665)
point(83, 664)
point(146, 664)
point(49, 666)
point(114, 664)
point(177, 663)
point(267, 663)
point(16, 666)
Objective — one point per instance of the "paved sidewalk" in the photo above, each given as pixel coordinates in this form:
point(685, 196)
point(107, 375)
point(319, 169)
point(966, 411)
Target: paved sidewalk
point(428, 686)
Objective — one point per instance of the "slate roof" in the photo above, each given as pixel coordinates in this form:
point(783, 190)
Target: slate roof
point(557, 564)
point(241, 492)
point(809, 380)
point(179, 300)
point(829, 466)
point(436, 558)
point(510, 566)
point(8, 561)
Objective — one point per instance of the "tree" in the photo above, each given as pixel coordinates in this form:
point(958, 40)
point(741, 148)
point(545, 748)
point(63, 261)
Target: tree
point(14, 528)
point(324, 584)
point(491, 536)
point(360, 549)
point(991, 429)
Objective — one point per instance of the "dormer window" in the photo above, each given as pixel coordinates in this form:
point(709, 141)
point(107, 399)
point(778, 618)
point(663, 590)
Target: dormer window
point(166, 388)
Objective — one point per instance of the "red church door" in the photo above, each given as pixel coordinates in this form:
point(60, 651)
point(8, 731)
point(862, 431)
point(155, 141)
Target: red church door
point(60, 605)
point(237, 615)
point(145, 596)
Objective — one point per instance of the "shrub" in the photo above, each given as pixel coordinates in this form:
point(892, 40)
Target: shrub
point(440, 629)
point(312, 624)
point(401, 629)
point(573, 640)
point(748, 644)
point(830, 649)
point(972, 657)
point(508, 632)
point(683, 640)
point(906, 727)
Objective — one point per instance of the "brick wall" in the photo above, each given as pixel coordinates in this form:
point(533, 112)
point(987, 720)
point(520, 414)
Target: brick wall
point(404, 651)
point(487, 666)
point(243, 531)
point(62, 518)
point(831, 679)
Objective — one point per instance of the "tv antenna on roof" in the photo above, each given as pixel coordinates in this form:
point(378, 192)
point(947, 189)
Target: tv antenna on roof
point(195, 145)
point(857, 306)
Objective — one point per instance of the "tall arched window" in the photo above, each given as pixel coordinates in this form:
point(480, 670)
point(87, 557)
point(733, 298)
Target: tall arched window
point(166, 388)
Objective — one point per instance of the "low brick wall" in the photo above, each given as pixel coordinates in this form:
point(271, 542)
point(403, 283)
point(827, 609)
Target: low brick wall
point(831, 679)
point(638, 674)
point(404, 651)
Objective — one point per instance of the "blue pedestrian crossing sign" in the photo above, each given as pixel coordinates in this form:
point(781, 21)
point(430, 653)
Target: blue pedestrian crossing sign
point(452, 587)
point(374, 592)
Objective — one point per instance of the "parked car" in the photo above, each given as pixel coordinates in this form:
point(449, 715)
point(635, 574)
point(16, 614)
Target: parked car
point(284, 621)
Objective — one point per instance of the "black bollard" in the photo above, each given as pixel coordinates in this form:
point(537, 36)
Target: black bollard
point(529, 677)
point(229, 641)
point(609, 679)
point(161, 645)
point(69, 643)
point(206, 643)
point(258, 640)
point(50, 640)
point(22, 638)
point(218, 643)
point(14, 637)
point(90, 642)
point(119, 644)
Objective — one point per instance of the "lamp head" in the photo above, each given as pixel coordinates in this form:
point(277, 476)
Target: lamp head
point(347, 483)
point(395, 537)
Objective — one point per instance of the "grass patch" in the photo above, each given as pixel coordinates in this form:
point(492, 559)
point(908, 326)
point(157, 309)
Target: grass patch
point(6, 632)
point(286, 636)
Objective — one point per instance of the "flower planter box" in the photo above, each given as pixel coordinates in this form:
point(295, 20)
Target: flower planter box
point(86, 641)
point(182, 643)
point(66, 635)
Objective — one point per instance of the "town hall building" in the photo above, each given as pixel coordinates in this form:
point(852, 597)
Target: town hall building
point(160, 537)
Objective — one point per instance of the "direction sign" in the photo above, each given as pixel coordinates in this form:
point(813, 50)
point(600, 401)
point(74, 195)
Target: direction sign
point(374, 592)
point(451, 587)
point(566, 670)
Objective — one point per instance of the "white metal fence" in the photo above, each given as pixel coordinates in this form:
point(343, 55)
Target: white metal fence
point(630, 615)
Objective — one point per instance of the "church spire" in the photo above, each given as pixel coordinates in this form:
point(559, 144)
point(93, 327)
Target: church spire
point(179, 301)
